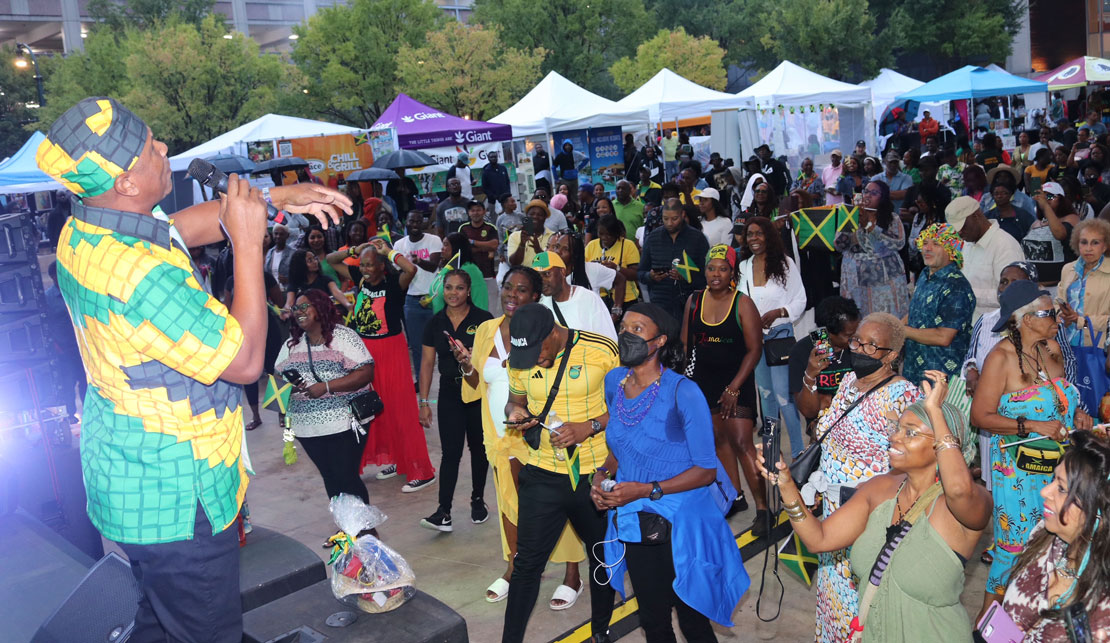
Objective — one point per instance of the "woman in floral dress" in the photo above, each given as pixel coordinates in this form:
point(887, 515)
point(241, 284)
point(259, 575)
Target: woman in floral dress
point(870, 399)
point(872, 273)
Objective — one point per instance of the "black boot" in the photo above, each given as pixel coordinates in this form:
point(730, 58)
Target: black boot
point(759, 525)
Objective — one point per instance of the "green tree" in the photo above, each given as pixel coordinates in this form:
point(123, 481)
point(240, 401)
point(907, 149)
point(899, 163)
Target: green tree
point(725, 21)
point(696, 58)
point(584, 37)
point(99, 70)
point(17, 88)
point(956, 34)
point(348, 53)
point(468, 70)
point(146, 14)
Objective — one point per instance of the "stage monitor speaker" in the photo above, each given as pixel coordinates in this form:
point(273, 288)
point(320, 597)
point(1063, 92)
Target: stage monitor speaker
point(273, 565)
point(102, 608)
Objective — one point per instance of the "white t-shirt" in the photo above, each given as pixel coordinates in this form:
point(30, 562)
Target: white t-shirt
point(557, 222)
point(584, 311)
point(717, 231)
point(428, 245)
point(600, 277)
point(463, 175)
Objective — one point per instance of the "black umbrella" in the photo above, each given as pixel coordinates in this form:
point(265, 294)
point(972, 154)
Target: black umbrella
point(372, 174)
point(282, 164)
point(403, 159)
point(229, 163)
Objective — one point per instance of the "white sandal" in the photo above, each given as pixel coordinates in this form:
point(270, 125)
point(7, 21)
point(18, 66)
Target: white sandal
point(566, 594)
point(500, 589)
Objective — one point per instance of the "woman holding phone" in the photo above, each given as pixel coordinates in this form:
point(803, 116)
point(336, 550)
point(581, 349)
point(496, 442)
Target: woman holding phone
point(448, 334)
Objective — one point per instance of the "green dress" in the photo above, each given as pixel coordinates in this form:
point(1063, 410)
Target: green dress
point(919, 596)
point(479, 295)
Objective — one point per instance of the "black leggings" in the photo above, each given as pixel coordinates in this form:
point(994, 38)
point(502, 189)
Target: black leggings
point(458, 422)
point(651, 570)
point(337, 457)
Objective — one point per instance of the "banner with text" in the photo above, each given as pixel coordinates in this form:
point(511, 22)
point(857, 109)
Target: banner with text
point(330, 158)
point(606, 156)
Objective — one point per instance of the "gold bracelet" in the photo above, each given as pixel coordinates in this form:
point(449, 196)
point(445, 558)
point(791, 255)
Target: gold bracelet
point(731, 393)
point(796, 512)
point(948, 441)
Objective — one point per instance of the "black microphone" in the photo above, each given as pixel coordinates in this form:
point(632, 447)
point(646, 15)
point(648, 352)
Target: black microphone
point(210, 175)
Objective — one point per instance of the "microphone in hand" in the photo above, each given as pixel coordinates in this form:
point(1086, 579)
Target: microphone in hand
point(211, 176)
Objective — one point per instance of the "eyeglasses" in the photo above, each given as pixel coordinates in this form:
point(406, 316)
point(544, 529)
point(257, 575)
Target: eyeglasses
point(893, 428)
point(873, 193)
point(867, 348)
point(761, 191)
point(301, 307)
point(1050, 312)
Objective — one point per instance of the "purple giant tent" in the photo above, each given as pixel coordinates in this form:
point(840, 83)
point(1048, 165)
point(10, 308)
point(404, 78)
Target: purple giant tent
point(419, 126)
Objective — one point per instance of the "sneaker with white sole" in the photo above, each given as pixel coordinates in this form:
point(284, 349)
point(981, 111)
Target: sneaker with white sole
point(387, 473)
point(479, 512)
point(417, 485)
point(440, 521)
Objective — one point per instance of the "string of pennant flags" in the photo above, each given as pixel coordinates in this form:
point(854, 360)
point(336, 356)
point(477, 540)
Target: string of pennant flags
point(799, 109)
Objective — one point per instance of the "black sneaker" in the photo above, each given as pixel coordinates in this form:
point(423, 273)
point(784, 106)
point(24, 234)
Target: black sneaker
point(759, 525)
point(417, 485)
point(440, 521)
point(479, 512)
point(738, 505)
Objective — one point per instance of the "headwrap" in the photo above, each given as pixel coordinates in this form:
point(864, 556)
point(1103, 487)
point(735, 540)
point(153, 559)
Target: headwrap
point(749, 191)
point(952, 417)
point(559, 201)
point(948, 238)
point(1028, 267)
point(91, 144)
point(721, 251)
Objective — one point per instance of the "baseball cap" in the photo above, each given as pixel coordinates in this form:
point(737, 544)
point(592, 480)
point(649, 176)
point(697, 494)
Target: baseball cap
point(463, 156)
point(91, 144)
point(472, 203)
point(530, 325)
point(861, 142)
point(710, 193)
point(1016, 295)
point(836, 152)
point(959, 210)
point(586, 187)
point(545, 261)
point(1052, 187)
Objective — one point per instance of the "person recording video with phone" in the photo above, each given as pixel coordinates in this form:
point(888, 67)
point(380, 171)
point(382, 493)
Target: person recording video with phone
point(819, 361)
point(665, 488)
point(557, 400)
point(524, 244)
point(910, 531)
point(166, 360)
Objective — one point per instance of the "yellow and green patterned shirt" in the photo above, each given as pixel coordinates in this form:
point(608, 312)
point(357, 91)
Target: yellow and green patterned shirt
point(160, 431)
point(581, 397)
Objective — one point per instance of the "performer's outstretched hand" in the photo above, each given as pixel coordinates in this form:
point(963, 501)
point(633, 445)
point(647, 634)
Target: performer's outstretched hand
point(321, 202)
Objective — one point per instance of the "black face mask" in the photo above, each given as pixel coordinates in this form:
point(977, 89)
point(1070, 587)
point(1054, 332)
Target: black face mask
point(633, 349)
point(864, 365)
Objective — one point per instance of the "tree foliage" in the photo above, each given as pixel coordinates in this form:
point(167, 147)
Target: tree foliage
point(584, 37)
point(956, 34)
point(468, 70)
point(146, 14)
point(834, 38)
point(17, 88)
point(189, 84)
point(698, 59)
point(349, 54)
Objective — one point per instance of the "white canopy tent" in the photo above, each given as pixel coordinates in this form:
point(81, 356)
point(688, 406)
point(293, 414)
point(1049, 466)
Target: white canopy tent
point(267, 128)
point(890, 84)
point(670, 97)
point(802, 113)
point(557, 104)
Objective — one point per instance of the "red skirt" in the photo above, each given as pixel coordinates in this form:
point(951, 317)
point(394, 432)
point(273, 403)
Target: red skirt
point(395, 436)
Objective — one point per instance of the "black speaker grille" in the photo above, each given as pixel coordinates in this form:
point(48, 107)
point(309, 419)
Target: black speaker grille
point(101, 610)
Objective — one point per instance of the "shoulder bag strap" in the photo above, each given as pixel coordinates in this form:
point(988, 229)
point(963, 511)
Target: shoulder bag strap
point(558, 377)
point(311, 367)
point(562, 320)
point(848, 410)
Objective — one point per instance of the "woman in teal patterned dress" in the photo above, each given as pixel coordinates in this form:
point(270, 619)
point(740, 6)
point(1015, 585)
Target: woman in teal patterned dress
point(1023, 395)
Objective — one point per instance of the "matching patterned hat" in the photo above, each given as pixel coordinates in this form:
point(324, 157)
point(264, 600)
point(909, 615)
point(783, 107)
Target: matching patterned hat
point(91, 144)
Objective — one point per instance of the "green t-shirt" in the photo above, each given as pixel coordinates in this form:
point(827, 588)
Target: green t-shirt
point(631, 215)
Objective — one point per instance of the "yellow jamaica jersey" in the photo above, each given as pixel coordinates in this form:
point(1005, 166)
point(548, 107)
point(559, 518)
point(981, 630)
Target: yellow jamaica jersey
point(160, 431)
point(581, 397)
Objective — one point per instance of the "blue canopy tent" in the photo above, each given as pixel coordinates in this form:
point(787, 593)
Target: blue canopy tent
point(973, 82)
point(20, 173)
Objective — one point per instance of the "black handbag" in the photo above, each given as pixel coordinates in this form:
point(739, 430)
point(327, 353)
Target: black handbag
point(364, 407)
point(776, 352)
point(809, 460)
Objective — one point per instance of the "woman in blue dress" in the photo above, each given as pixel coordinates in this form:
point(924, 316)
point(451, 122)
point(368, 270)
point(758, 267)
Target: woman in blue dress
point(667, 509)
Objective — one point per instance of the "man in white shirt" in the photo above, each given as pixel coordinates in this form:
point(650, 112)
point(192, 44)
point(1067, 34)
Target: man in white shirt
point(987, 250)
point(574, 307)
point(461, 171)
point(830, 175)
point(423, 251)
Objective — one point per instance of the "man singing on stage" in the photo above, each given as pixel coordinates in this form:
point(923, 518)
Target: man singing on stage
point(162, 423)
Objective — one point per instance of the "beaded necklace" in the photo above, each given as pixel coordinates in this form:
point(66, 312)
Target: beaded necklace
point(638, 410)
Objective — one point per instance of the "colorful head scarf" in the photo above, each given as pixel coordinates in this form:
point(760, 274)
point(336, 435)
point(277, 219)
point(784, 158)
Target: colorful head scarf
point(721, 251)
point(91, 144)
point(948, 238)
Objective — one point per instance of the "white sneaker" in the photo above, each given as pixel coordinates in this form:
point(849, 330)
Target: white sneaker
point(387, 473)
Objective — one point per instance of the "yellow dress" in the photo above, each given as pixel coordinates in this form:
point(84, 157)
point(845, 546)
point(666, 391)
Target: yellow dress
point(499, 449)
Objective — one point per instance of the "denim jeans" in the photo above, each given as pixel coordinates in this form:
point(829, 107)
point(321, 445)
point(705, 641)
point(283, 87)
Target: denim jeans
point(774, 392)
point(416, 318)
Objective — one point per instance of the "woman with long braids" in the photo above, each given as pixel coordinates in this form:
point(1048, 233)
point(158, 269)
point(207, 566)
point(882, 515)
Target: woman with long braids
point(721, 332)
point(487, 379)
point(1066, 562)
point(1023, 391)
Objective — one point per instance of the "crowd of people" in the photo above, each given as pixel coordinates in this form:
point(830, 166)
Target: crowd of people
point(607, 357)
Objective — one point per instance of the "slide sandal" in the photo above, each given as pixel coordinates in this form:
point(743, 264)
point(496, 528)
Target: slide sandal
point(567, 595)
point(499, 588)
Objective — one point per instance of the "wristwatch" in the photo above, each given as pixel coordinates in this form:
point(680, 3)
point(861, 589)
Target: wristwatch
point(1021, 432)
point(656, 491)
point(595, 428)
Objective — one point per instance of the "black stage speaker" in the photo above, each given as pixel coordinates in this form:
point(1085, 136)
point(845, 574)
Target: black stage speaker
point(272, 565)
point(101, 609)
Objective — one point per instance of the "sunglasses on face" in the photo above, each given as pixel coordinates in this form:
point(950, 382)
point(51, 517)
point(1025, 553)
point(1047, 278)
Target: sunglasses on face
point(1051, 312)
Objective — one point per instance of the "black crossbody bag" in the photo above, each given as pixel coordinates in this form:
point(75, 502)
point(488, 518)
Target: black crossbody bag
point(364, 407)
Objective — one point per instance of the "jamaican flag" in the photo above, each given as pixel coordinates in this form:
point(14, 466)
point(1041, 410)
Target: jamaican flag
point(383, 234)
point(277, 394)
point(795, 557)
point(820, 225)
point(687, 268)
